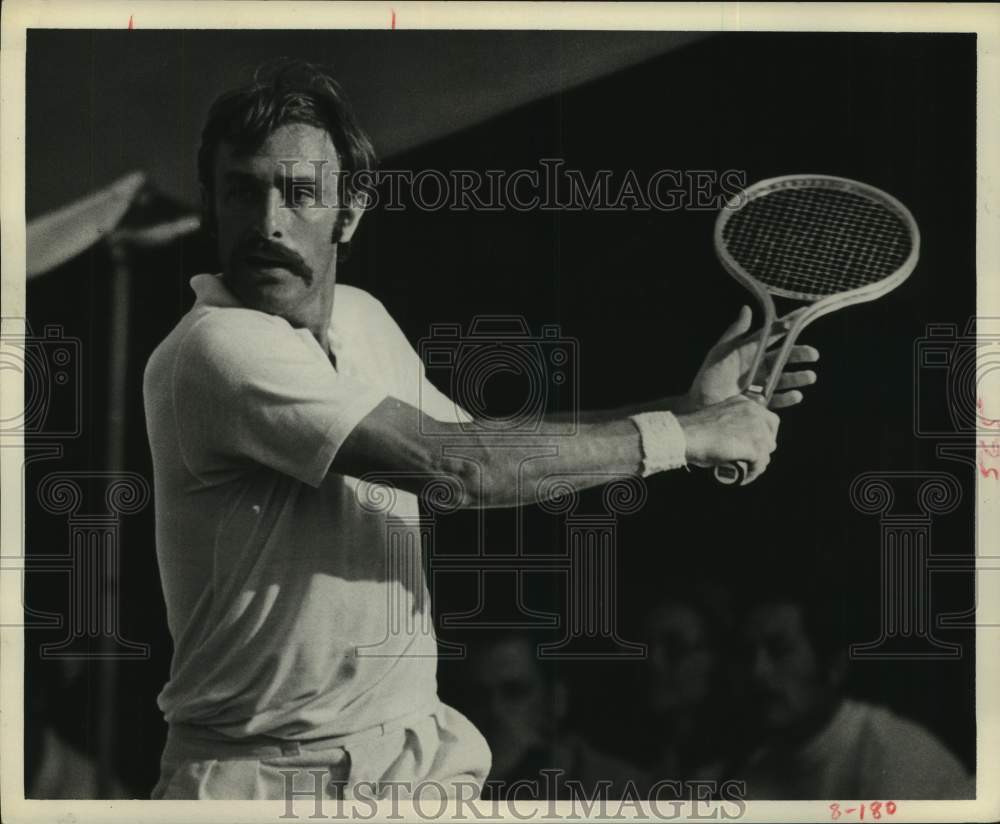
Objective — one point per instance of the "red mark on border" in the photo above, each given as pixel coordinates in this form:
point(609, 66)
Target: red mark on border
point(393, 19)
point(989, 452)
point(983, 420)
point(876, 810)
point(990, 448)
point(130, 22)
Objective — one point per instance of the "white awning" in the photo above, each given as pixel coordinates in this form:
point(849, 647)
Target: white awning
point(59, 236)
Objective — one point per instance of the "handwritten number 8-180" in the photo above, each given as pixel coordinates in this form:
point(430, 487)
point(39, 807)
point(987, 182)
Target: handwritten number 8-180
point(874, 809)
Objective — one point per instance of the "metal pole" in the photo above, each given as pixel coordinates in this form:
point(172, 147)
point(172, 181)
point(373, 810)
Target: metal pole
point(118, 355)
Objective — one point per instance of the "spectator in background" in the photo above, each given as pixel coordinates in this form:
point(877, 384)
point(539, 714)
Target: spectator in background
point(522, 708)
point(685, 683)
point(812, 741)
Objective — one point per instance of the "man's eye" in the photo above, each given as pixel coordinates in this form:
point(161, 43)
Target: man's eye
point(302, 194)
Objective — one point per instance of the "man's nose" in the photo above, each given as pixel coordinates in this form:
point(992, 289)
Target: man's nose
point(272, 215)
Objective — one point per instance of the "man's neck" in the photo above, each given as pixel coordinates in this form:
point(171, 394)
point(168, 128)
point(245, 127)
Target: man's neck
point(318, 322)
point(321, 327)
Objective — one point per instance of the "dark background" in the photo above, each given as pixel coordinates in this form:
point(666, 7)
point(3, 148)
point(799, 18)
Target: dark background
point(640, 293)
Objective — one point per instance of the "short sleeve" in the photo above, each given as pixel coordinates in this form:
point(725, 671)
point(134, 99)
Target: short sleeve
point(248, 387)
point(438, 405)
point(415, 388)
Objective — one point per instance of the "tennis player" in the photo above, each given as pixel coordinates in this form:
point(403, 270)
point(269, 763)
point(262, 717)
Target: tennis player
point(267, 403)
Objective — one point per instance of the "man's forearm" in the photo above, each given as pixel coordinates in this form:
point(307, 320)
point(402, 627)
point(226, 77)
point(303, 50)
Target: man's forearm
point(678, 404)
point(398, 444)
point(503, 471)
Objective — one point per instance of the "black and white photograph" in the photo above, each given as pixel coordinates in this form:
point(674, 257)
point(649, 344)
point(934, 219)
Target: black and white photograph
point(499, 410)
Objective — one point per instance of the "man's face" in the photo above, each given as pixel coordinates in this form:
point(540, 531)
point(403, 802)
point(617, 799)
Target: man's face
point(509, 701)
point(276, 214)
point(681, 660)
point(788, 680)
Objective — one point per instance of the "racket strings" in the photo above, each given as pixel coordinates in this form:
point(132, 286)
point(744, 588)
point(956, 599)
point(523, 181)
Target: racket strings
point(817, 241)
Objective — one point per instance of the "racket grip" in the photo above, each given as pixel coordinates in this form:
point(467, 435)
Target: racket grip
point(731, 474)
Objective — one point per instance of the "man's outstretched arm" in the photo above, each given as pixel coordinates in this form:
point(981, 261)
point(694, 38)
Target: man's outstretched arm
point(397, 442)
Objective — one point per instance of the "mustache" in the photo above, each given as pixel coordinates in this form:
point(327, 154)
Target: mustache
point(276, 253)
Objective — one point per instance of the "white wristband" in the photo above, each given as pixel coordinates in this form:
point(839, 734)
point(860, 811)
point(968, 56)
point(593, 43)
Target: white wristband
point(664, 445)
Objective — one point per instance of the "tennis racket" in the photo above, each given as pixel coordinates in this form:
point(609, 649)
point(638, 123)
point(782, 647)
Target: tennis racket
point(827, 242)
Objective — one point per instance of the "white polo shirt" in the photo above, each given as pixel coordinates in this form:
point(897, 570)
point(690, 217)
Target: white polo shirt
point(295, 610)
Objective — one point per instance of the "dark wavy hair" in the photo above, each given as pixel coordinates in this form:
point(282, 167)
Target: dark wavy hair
point(827, 614)
point(283, 91)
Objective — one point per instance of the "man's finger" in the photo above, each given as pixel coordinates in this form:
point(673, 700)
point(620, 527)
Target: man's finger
point(791, 380)
point(738, 327)
point(803, 354)
point(798, 354)
point(781, 400)
point(755, 469)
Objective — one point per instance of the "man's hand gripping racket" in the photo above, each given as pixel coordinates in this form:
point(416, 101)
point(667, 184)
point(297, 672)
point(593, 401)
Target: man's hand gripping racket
point(827, 242)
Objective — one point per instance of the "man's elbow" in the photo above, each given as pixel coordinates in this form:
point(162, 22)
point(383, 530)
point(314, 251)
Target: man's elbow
point(480, 483)
point(459, 481)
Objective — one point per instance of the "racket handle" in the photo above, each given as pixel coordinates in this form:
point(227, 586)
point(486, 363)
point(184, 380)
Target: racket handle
point(731, 473)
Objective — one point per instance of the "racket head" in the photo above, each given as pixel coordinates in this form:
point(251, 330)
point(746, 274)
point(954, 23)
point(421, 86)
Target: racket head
point(813, 237)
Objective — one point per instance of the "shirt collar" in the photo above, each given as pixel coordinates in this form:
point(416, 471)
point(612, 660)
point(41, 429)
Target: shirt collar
point(211, 290)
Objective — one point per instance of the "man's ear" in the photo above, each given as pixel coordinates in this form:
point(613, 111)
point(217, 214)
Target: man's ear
point(207, 212)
